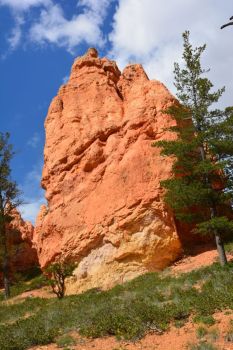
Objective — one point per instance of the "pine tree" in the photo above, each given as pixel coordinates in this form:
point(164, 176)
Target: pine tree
point(9, 199)
point(201, 190)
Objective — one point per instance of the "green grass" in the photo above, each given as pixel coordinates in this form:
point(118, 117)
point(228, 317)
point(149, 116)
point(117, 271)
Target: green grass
point(33, 279)
point(205, 319)
point(229, 246)
point(201, 332)
point(202, 346)
point(149, 302)
point(213, 334)
point(13, 313)
point(65, 341)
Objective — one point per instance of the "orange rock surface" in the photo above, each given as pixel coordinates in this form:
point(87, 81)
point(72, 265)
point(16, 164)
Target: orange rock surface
point(22, 255)
point(102, 177)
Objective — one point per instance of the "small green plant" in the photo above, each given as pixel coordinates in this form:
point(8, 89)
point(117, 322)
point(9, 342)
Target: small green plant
point(208, 320)
point(213, 334)
point(229, 246)
point(179, 323)
point(202, 346)
point(229, 335)
point(65, 340)
point(201, 332)
point(228, 312)
point(56, 274)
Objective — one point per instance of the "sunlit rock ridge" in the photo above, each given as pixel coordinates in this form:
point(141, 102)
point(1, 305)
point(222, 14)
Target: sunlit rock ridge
point(102, 176)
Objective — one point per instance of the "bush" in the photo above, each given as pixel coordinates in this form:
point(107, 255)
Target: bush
point(65, 340)
point(208, 320)
point(202, 346)
point(56, 275)
point(201, 332)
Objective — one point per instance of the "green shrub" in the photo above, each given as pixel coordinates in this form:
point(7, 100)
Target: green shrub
point(65, 340)
point(202, 346)
point(56, 274)
point(201, 332)
point(208, 320)
point(213, 334)
point(179, 323)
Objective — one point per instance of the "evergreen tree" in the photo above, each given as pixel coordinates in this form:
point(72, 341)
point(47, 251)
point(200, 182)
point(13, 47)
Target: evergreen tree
point(9, 199)
point(201, 190)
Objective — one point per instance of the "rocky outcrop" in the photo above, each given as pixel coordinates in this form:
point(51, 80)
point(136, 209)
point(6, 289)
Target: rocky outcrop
point(102, 177)
point(23, 256)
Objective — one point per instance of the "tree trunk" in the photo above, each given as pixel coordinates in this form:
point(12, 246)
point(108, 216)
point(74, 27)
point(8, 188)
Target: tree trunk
point(221, 249)
point(219, 242)
point(213, 214)
point(6, 284)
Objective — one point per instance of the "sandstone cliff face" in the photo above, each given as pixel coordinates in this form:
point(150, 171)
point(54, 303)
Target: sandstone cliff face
point(22, 255)
point(102, 177)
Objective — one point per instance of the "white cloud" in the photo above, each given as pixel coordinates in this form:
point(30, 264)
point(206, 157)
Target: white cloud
point(32, 194)
point(98, 7)
point(34, 140)
point(150, 31)
point(53, 27)
point(23, 5)
point(18, 9)
point(31, 208)
point(15, 37)
point(65, 79)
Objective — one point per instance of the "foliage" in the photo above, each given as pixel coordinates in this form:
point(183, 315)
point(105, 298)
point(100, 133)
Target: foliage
point(208, 320)
point(148, 303)
point(229, 246)
point(65, 340)
point(214, 334)
point(56, 274)
point(202, 346)
point(201, 188)
point(26, 286)
point(201, 332)
point(221, 224)
point(9, 199)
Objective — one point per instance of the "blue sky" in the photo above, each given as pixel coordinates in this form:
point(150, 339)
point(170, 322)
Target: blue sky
point(39, 40)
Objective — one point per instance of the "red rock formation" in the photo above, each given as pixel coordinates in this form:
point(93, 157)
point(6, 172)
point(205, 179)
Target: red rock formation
point(22, 255)
point(102, 177)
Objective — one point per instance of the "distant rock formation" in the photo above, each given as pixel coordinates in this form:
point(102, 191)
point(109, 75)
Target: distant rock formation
point(23, 256)
point(102, 177)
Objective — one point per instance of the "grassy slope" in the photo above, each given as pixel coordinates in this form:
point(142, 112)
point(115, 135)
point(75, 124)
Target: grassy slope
point(151, 301)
